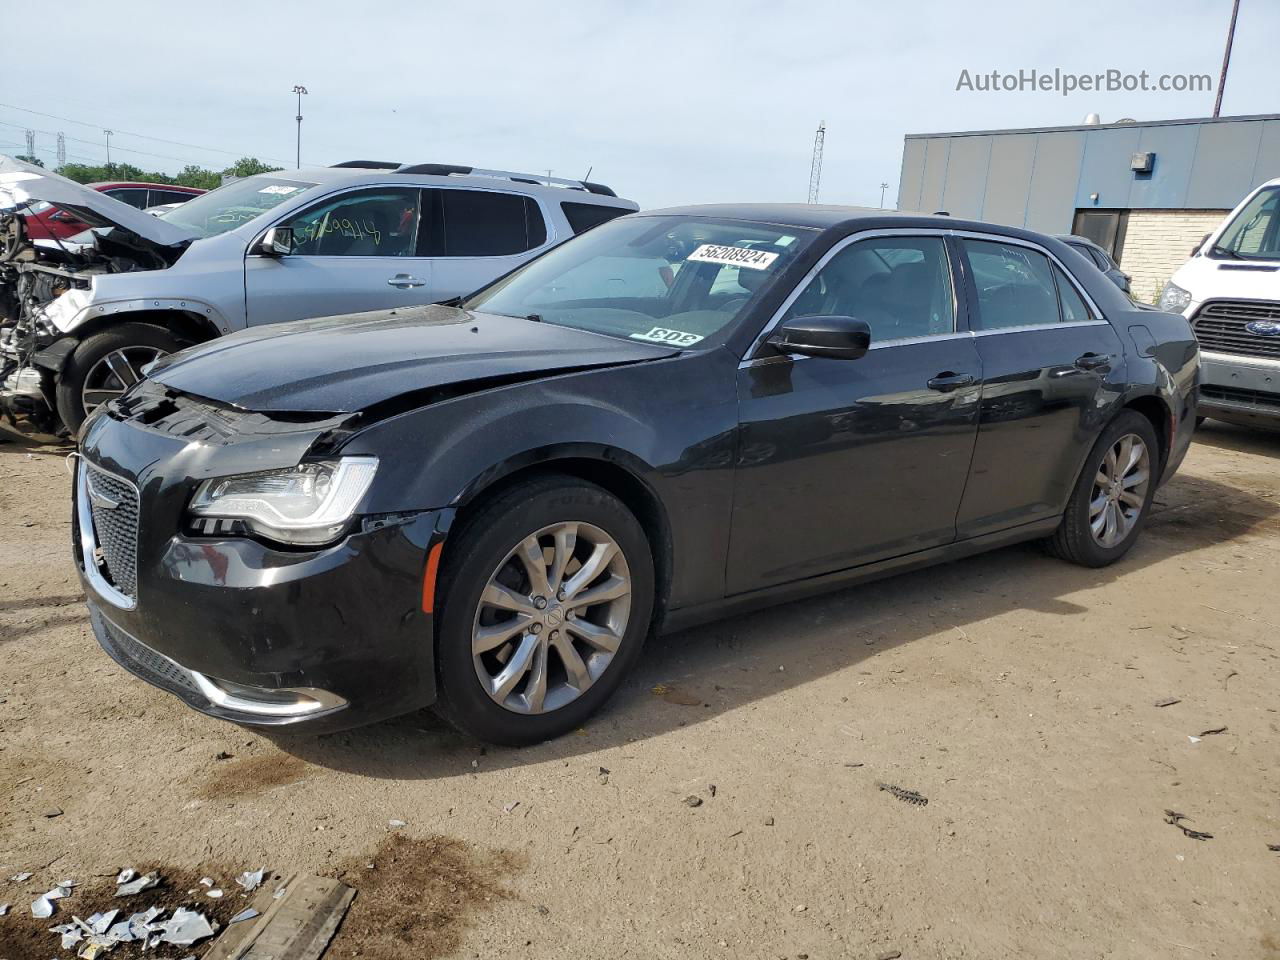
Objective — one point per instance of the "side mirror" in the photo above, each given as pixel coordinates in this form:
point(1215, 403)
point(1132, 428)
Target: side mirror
point(276, 242)
point(61, 216)
point(1196, 248)
point(840, 338)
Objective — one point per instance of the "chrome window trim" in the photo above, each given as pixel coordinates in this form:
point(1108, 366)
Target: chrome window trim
point(84, 518)
point(1098, 317)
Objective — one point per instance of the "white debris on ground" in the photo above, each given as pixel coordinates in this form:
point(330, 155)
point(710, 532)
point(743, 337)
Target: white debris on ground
point(251, 879)
point(102, 932)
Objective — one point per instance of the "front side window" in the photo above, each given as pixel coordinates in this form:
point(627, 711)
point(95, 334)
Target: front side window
point(900, 286)
point(1015, 285)
point(236, 203)
point(366, 223)
point(1255, 232)
point(676, 280)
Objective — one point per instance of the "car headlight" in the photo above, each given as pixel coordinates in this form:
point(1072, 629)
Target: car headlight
point(1173, 299)
point(308, 505)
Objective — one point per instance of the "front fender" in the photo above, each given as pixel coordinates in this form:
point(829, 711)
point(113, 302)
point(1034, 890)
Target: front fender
point(671, 423)
point(75, 308)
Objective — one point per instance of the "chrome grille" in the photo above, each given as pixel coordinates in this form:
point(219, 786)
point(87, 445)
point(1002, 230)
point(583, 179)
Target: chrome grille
point(1220, 325)
point(115, 528)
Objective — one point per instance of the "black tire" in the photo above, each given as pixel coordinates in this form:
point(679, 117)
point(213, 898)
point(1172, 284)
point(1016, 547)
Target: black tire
point(93, 349)
point(471, 557)
point(1074, 541)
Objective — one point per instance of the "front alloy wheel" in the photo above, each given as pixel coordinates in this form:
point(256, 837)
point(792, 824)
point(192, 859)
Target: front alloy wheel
point(551, 617)
point(545, 597)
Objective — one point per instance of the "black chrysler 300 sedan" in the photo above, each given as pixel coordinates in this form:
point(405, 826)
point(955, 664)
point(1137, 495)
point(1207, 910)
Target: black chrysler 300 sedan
point(677, 415)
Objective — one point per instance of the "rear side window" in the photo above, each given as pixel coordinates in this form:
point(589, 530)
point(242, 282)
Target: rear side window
point(583, 216)
point(1015, 285)
point(482, 223)
point(132, 196)
point(1073, 305)
point(169, 196)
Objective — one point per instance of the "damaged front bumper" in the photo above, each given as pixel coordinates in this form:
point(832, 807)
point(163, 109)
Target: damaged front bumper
point(260, 635)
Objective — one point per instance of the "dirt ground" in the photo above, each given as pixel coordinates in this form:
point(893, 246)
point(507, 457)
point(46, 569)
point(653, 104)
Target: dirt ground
point(1016, 693)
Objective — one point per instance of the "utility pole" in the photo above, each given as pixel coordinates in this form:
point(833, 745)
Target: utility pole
point(31, 143)
point(815, 166)
point(62, 148)
point(883, 188)
point(1226, 57)
point(108, 133)
point(299, 89)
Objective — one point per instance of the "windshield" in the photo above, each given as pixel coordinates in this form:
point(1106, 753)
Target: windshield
point(238, 202)
point(675, 280)
point(1255, 232)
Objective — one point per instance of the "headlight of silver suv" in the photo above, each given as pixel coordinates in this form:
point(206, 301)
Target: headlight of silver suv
point(307, 505)
point(1173, 299)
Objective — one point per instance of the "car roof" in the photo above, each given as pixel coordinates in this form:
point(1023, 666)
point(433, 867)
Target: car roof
point(356, 176)
point(845, 219)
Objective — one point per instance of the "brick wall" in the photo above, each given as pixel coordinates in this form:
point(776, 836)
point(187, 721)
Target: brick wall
point(1158, 242)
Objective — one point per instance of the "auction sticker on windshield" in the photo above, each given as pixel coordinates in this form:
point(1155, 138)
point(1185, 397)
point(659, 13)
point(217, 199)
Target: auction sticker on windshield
point(733, 256)
point(676, 338)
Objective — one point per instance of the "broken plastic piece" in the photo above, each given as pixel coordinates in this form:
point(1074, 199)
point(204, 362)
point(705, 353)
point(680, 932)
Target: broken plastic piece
point(215, 893)
point(251, 879)
point(21, 877)
point(206, 881)
point(125, 875)
point(907, 796)
point(70, 932)
point(42, 906)
point(280, 892)
point(396, 824)
point(186, 927)
point(248, 913)
point(138, 884)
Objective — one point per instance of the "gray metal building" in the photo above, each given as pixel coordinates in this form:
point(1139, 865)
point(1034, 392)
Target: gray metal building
point(1145, 191)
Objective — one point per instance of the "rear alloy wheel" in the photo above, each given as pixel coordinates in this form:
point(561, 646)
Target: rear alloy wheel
point(547, 594)
point(107, 364)
point(1112, 496)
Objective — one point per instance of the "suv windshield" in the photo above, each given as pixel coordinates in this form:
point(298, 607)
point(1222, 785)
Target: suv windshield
point(239, 202)
point(1255, 233)
point(676, 280)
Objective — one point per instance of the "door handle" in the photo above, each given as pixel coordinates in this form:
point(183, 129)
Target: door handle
point(404, 281)
point(948, 381)
point(1093, 361)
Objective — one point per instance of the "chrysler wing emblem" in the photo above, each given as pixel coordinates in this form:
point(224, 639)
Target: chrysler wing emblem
point(101, 500)
point(1264, 328)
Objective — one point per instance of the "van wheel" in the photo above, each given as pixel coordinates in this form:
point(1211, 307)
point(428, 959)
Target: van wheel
point(547, 597)
point(105, 365)
point(1112, 497)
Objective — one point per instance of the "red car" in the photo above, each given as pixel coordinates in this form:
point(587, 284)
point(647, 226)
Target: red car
point(45, 222)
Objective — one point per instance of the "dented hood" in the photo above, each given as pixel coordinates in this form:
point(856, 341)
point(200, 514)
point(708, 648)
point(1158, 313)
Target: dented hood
point(350, 363)
point(21, 183)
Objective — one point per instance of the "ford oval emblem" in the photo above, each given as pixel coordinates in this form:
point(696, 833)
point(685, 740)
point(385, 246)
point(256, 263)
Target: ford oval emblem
point(1264, 328)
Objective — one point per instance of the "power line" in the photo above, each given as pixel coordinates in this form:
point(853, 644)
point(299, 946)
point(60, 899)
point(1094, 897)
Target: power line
point(141, 136)
point(94, 143)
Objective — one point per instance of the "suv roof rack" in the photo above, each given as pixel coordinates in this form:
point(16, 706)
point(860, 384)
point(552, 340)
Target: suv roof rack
point(447, 169)
point(368, 164)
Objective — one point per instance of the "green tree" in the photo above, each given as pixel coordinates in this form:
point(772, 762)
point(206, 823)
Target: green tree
point(190, 176)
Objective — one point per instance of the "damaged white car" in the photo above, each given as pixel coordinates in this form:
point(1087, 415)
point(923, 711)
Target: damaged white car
point(80, 318)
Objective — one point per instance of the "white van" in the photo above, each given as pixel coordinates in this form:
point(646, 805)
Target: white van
point(1230, 291)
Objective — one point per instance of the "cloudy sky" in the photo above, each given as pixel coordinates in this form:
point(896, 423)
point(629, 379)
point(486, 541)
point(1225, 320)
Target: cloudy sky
point(669, 102)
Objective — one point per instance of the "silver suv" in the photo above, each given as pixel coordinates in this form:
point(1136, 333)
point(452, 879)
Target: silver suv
point(81, 317)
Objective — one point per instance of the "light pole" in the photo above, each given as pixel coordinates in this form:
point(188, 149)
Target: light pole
point(108, 133)
point(1226, 57)
point(299, 89)
point(883, 188)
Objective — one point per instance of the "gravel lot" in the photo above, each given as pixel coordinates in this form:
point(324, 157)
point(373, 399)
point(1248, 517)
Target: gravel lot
point(1016, 693)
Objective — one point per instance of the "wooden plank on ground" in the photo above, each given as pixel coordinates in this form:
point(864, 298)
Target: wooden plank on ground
point(296, 926)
